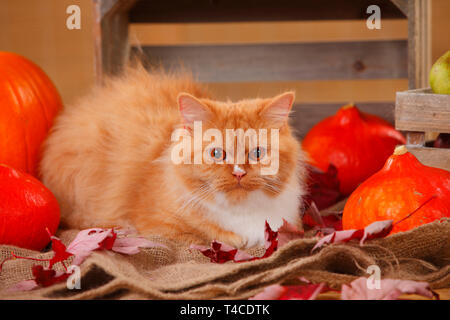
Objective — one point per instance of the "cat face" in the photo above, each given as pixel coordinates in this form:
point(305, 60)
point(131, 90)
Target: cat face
point(236, 148)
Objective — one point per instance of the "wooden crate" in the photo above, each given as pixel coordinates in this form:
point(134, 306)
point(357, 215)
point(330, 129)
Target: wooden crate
point(233, 68)
point(420, 111)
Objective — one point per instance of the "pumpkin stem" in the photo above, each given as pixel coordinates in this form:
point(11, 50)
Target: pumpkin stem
point(348, 106)
point(399, 150)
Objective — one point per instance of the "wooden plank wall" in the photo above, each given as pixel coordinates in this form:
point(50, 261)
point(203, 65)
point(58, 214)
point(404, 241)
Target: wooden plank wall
point(36, 29)
point(327, 62)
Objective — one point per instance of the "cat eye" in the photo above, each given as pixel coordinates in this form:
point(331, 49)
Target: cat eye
point(257, 154)
point(217, 154)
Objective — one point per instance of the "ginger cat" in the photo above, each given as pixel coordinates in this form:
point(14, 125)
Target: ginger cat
point(109, 161)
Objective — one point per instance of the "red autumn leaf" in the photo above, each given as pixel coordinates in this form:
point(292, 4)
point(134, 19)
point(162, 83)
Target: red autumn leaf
point(271, 241)
point(378, 229)
point(131, 245)
point(298, 292)
point(303, 292)
point(333, 221)
point(442, 141)
point(81, 247)
point(288, 232)
point(326, 224)
point(93, 239)
point(60, 252)
point(48, 277)
point(87, 241)
point(25, 285)
point(272, 292)
point(108, 242)
point(339, 237)
point(389, 289)
point(220, 252)
point(323, 187)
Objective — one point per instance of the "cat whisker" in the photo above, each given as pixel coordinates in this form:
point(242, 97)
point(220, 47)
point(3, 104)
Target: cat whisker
point(272, 189)
point(194, 198)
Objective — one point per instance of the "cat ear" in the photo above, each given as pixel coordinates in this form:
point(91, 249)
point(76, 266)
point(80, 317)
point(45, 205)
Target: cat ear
point(192, 109)
point(278, 109)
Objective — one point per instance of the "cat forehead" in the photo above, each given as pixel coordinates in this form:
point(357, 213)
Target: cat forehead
point(244, 119)
point(245, 105)
point(243, 114)
point(242, 111)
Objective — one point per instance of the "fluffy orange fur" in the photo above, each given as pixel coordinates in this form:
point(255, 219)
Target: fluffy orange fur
point(107, 160)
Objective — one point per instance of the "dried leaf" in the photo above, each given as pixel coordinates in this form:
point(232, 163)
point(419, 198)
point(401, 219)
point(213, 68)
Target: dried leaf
point(333, 221)
point(271, 241)
point(81, 247)
point(323, 187)
point(325, 224)
point(299, 292)
point(389, 289)
point(288, 232)
point(338, 237)
point(87, 241)
point(272, 292)
point(108, 242)
point(220, 252)
point(378, 229)
point(60, 252)
point(47, 277)
point(26, 285)
point(442, 141)
point(105, 239)
point(131, 245)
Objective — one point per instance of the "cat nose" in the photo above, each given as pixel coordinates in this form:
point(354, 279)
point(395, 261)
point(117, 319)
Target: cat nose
point(238, 172)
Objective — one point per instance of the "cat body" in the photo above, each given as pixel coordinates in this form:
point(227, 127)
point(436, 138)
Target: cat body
point(109, 162)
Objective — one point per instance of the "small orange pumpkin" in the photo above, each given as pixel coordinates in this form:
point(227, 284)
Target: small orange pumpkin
point(354, 142)
point(397, 191)
point(28, 103)
point(27, 209)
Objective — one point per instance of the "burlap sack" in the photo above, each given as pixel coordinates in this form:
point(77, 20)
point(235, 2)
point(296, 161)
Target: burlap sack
point(176, 272)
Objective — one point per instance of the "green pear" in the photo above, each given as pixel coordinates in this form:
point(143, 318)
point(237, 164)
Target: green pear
point(440, 75)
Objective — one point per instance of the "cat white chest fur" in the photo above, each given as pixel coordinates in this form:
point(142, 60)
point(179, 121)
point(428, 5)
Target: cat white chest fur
point(248, 218)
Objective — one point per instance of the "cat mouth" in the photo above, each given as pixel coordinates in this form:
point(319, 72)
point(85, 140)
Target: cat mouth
point(240, 187)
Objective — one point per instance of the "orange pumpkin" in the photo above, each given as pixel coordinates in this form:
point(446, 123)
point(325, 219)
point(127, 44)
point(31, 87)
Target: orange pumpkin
point(356, 143)
point(396, 192)
point(27, 209)
point(28, 103)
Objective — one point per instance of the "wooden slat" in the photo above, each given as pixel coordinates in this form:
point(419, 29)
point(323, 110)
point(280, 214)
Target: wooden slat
point(105, 6)
point(286, 62)
point(257, 10)
point(305, 116)
point(37, 30)
point(165, 34)
point(402, 5)
point(110, 36)
point(419, 44)
point(328, 91)
point(421, 110)
point(415, 138)
point(439, 21)
point(433, 157)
